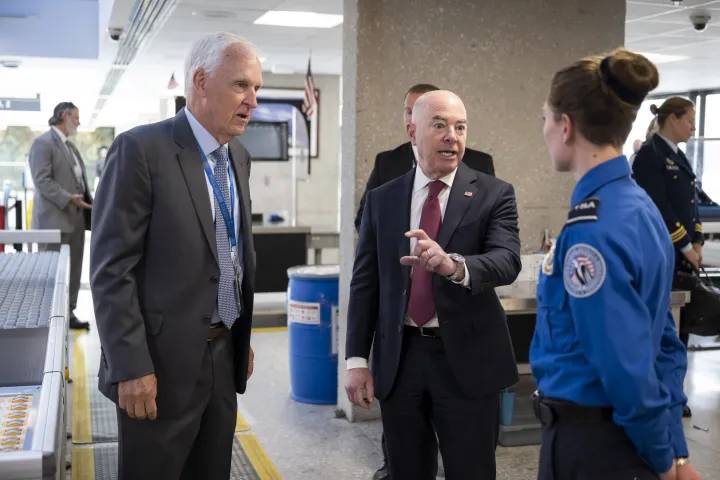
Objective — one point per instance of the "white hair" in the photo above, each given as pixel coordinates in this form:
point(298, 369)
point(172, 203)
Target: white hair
point(207, 54)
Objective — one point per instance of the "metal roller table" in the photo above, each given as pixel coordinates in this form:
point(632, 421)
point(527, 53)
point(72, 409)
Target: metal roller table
point(33, 353)
point(520, 306)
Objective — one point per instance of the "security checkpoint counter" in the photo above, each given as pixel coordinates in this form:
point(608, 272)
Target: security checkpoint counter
point(518, 425)
point(33, 356)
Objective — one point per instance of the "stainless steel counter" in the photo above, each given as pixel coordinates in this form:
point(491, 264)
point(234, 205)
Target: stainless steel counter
point(32, 398)
point(518, 305)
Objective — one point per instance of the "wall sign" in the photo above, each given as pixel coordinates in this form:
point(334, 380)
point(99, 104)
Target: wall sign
point(20, 104)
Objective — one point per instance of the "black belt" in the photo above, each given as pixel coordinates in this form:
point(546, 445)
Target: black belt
point(551, 411)
point(215, 331)
point(423, 332)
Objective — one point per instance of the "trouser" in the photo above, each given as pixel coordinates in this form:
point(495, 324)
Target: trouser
point(76, 240)
point(583, 443)
point(195, 444)
point(426, 407)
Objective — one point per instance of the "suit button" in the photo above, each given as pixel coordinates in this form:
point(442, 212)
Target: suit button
point(206, 318)
point(692, 182)
point(675, 177)
point(214, 280)
point(692, 201)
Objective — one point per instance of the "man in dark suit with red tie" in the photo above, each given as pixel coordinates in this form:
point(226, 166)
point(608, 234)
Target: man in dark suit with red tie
point(442, 351)
point(393, 163)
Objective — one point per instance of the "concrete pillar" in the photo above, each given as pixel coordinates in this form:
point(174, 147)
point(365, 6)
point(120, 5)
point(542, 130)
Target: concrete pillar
point(499, 56)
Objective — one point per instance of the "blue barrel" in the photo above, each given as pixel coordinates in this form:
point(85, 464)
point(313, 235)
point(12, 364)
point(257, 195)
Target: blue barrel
point(312, 330)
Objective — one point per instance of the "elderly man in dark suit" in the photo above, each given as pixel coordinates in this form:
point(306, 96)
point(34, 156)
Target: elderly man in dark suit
point(62, 194)
point(393, 163)
point(172, 272)
point(442, 351)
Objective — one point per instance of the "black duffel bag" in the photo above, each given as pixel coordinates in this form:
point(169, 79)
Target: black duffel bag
point(702, 315)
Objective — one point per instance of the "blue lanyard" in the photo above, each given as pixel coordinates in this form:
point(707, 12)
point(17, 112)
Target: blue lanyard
point(228, 216)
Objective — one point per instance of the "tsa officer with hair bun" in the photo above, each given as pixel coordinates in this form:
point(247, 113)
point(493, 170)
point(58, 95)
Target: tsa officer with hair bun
point(605, 354)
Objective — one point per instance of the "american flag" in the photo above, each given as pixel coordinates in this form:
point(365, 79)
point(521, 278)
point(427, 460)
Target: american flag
point(311, 100)
point(172, 84)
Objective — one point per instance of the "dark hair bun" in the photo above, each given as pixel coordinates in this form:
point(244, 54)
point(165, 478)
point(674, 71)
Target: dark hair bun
point(634, 71)
point(654, 109)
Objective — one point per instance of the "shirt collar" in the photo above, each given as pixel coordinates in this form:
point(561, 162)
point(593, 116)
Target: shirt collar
point(421, 181)
point(672, 145)
point(207, 142)
point(63, 138)
point(599, 176)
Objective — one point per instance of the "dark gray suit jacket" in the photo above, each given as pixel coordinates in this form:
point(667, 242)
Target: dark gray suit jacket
point(153, 262)
point(52, 169)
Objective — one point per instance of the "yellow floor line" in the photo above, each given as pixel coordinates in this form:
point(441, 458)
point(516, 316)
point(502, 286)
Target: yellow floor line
point(81, 425)
point(241, 425)
point(269, 329)
point(257, 456)
point(83, 463)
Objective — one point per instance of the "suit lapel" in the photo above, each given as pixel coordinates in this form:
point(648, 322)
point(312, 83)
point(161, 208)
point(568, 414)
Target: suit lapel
point(240, 167)
point(402, 226)
point(678, 158)
point(461, 195)
point(69, 161)
point(191, 164)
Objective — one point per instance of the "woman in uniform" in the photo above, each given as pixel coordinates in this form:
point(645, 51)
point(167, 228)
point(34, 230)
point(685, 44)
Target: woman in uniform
point(605, 353)
point(665, 173)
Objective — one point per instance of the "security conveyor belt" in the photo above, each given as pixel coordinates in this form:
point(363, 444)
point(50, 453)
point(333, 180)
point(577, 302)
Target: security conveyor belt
point(33, 353)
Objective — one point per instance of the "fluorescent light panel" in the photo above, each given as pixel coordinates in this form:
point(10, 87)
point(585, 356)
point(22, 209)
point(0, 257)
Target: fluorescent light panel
point(299, 19)
point(663, 58)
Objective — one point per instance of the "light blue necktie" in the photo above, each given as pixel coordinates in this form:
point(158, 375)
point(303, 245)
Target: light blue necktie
point(227, 305)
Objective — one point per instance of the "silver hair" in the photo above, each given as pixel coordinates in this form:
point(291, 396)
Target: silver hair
point(207, 54)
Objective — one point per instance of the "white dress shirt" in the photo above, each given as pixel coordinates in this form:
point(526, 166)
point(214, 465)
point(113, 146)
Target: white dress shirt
point(208, 144)
point(674, 147)
point(77, 169)
point(419, 195)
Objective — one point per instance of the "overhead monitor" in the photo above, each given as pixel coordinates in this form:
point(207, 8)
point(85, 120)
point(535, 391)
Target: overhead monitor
point(266, 141)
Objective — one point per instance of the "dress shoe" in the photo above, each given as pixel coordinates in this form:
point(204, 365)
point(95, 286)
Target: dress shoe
point(687, 413)
point(383, 473)
point(76, 324)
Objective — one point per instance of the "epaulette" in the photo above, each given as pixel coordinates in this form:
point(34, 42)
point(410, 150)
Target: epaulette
point(585, 211)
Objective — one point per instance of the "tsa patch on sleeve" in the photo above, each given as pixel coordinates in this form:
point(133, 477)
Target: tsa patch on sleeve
point(584, 270)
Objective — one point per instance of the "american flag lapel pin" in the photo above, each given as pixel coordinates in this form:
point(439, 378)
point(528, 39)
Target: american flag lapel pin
point(468, 194)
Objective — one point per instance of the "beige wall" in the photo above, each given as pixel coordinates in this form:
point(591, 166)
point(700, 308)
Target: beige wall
point(499, 56)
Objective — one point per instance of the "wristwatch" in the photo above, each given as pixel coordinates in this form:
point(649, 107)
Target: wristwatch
point(682, 461)
point(459, 267)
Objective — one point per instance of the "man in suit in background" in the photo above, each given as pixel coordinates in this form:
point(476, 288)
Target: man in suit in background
point(62, 195)
point(172, 272)
point(393, 163)
point(442, 350)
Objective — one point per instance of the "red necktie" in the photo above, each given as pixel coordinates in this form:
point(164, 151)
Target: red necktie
point(422, 306)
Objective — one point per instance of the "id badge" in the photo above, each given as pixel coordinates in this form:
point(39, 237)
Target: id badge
point(238, 288)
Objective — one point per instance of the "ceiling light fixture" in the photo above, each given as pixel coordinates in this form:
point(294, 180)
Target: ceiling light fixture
point(299, 19)
point(664, 58)
point(677, 3)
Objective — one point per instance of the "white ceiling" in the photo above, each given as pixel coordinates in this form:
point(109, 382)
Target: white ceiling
point(653, 26)
point(657, 26)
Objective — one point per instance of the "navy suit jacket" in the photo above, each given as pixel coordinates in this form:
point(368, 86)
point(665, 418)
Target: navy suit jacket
point(483, 227)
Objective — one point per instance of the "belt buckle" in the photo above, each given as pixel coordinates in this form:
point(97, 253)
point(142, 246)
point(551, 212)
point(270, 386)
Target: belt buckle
point(423, 334)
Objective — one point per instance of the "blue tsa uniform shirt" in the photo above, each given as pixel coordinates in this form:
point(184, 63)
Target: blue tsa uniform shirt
point(605, 336)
